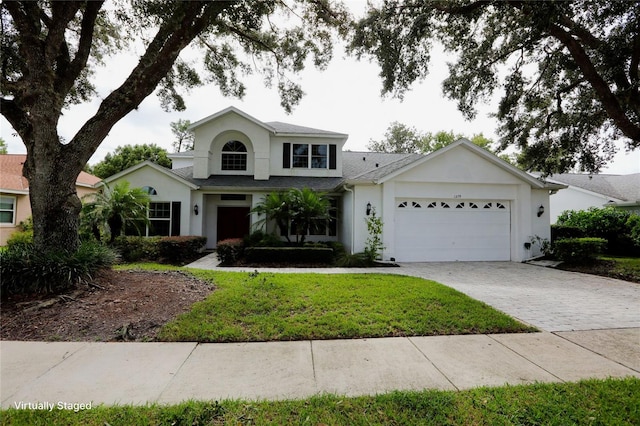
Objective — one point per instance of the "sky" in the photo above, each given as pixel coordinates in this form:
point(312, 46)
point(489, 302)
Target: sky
point(345, 98)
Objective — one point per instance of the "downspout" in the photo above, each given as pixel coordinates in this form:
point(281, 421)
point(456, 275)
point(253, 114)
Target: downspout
point(353, 216)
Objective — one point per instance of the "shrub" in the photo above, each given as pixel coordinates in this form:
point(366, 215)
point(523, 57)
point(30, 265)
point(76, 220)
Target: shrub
point(633, 224)
point(135, 249)
point(230, 250)
point(356, 260)
point(289, 254)
point(178, 250)
point(608, 223)
point(261, 239)
point(560, 232)
point(20, 239)
point(24, 270)
point(579, 250)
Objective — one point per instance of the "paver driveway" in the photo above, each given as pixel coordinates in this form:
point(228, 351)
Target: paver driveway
point(550, 299)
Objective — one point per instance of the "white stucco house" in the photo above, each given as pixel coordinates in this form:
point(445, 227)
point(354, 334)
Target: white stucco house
point(599, 190)
point(459, 203)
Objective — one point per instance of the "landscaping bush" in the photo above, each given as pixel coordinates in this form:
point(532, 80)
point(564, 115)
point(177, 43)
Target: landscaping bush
point(560, 232)
point(579, 250)
point(261, 239)
point(135, 249)
point(633, 224)
point(178, 250)
point(20, 239)
point(230, 250)
point(24, 270)
point(314, 255)
point(608, 223)
point(356, 260)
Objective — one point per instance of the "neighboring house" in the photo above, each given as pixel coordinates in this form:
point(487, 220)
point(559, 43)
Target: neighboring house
point(14, 193)
point(585, 191)
point(459, 203)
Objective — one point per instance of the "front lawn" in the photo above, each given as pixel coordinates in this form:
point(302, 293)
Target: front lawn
point(266, 306)
point(590, 402)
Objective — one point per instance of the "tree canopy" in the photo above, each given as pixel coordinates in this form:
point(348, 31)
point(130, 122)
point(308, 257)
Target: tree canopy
point(126, 156)
point(50, 50)
point(184, 137)
point(567, 71)
point(400, 138)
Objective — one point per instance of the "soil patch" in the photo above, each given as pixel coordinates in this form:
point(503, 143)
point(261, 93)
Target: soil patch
point(119, 305)
point(604, 268)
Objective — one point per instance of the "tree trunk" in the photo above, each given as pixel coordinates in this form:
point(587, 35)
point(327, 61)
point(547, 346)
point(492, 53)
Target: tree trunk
point(55, 205)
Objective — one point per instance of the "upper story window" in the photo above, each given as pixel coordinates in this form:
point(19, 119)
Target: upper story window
point(7, 209)
point(234, 156)
point(309, 156)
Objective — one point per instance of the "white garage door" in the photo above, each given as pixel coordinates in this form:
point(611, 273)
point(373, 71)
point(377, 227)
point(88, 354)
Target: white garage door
point(448, 230)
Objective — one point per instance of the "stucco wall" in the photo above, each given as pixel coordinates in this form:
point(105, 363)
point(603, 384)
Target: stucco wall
point(168, 189)
point(574, 199)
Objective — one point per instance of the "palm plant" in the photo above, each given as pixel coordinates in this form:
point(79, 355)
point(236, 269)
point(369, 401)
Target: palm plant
point(275, 206)
point(305, 209)
point(310, 211)
point(115, 207)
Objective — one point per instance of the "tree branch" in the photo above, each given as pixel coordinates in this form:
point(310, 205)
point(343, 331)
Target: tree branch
point(172, 36)
point(601, 88)
point(66, 78)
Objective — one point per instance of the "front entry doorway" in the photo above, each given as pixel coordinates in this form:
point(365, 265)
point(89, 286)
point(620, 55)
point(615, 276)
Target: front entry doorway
point(233, 222)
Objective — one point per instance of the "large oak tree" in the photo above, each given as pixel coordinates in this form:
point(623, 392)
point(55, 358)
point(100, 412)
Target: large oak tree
point(566, 71)
point(50, 48)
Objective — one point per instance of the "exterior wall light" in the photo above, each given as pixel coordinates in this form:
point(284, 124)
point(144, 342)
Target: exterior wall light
point(368, 209)
point(196, 210)
point(540, 210)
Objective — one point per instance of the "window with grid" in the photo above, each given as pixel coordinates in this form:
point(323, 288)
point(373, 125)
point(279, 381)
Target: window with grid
point(300, 155)
point(312, 156)
point(7, 209)
point(234, 156)
point(159, 219)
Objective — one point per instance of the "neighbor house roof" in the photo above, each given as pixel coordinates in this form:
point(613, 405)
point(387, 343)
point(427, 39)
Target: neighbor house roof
point(11, 178)
point(618, 187)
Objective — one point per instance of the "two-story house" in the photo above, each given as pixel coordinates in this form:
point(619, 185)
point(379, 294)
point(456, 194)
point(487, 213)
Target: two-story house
point(459, 203)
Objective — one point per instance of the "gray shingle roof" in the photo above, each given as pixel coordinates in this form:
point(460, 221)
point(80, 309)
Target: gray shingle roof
point(621, 187)
point(274, 183)
point(281, 127)
point(368, 166)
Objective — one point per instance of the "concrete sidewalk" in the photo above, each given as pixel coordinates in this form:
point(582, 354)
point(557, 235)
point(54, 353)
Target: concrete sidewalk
point(141, 373)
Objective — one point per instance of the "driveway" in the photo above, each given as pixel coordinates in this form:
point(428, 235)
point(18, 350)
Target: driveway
point(550, 299)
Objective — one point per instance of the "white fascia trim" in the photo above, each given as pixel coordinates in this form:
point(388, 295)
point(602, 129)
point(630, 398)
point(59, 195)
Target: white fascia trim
point(230, 110)
point(147, 163)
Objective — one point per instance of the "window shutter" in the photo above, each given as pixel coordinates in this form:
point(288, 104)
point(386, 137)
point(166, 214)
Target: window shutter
point(286, 155)
point(175, 218)
point(332, 157)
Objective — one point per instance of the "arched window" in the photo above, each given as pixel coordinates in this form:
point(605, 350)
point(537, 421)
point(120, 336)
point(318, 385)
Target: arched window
point(150, 190)
point(234, 156)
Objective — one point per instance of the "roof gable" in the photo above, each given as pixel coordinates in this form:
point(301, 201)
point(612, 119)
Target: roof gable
point(154, 166)
point(227, 111)
point(471, 148)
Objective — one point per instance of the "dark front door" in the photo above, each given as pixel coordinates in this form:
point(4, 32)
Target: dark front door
point(233, 222)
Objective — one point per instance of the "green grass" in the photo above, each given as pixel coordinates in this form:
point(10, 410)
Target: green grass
point(625, 266)
point(265, 307)
point(589, 402)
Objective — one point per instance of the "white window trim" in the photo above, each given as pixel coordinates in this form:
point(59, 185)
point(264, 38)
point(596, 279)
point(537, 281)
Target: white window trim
point(15, 205)
point(310, 156)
